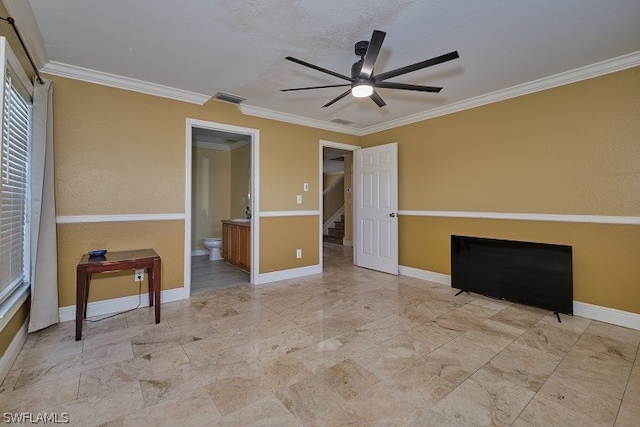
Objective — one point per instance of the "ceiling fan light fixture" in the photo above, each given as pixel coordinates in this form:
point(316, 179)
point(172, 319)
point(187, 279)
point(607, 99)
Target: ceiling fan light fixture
point(362, 91)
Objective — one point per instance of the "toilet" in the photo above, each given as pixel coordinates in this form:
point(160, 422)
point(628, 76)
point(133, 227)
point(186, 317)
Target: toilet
point(213, 245)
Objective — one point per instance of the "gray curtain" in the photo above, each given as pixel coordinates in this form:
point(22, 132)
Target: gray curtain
point(44, 250)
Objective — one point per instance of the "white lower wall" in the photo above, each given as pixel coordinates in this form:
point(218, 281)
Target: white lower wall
point(293, 273)
point(116, 305)
point(582, 309)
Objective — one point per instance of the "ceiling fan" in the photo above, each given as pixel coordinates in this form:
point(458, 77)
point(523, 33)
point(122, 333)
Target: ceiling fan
point(363, 81)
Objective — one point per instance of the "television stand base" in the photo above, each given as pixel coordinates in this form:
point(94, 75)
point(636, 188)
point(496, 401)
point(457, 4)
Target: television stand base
point(461, 291)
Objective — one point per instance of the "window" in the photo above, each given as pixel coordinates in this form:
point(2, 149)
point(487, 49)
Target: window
point(14, 177)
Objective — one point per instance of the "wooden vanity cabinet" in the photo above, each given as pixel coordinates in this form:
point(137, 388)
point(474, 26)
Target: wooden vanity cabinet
point(236, 243)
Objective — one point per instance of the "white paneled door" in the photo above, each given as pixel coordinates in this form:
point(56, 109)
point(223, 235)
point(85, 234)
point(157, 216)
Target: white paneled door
point(376, 172)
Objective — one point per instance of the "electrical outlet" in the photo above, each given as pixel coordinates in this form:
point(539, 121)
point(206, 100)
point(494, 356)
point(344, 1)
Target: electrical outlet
point(299, 199)
point(139, 277)
point(298, 253)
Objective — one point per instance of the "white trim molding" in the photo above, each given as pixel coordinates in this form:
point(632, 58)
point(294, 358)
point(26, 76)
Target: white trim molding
point(606, 314)
point(431, 276)
point(590, 71)
point(115, 305)
point(79, 219)
point(265, 214)
point(11, 354)
point(582, 309)
point(292, 273)
point(199, 252)
point(297, 120)
point(593, 219)
point(121, 82)
point(254, 140)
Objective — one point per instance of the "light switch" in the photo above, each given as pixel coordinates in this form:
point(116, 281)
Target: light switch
point(306, 186)
point(299, 199)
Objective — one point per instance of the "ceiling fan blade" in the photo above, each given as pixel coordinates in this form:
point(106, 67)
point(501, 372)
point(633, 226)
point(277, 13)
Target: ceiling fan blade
point(372, 54)
point(417, 66)
point(337, 98)
point(313, 87)
point(377, 99)
point(315, 67)
point(390, 85)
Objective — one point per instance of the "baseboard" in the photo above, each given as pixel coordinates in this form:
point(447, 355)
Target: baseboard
point(115, 305)
point(346, 242)
point(11, 354)
point(292, 273)
point(606, 314)
point(199, 252)
point(431, 276)
point(582, 309)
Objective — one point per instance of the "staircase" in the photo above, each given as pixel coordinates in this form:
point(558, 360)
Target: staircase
point(335, 233)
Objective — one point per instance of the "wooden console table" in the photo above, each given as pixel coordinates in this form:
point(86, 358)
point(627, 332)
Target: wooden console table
point(116, 261)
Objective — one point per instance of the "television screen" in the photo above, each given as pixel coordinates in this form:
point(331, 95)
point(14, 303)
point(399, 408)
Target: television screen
point(537, 274)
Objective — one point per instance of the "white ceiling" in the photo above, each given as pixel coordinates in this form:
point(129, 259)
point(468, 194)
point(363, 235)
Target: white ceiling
point(239, 47)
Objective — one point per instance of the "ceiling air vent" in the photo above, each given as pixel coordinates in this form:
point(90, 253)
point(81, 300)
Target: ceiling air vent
point(227, 97)
point(341, 121)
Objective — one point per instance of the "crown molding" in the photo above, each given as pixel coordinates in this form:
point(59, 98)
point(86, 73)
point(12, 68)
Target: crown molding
point(590, 71)
point(120, 82)
point(297, 120)
point(26, 23)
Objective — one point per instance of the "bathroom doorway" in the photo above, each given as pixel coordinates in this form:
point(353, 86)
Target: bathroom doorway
point(221, 177)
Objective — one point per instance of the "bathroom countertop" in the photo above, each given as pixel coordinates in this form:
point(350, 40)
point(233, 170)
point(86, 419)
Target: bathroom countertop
point(238, 221)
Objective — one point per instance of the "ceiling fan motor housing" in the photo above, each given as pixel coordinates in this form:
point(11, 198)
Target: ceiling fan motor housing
point(361, 48)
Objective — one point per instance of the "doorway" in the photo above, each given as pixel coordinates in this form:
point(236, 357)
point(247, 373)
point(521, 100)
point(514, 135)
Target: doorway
point(211, 149)
point(336, 219)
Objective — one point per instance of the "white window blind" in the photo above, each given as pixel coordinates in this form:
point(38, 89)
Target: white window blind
point(14, 180)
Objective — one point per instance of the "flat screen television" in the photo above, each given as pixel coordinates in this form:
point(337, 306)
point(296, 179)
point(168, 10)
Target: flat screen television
point(536, 274)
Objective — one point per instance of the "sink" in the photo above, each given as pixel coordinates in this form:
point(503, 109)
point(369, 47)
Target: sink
point(241, 220)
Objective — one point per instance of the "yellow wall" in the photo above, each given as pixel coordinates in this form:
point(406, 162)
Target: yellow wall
point(240, 181)
point(210, 193)
point(121, 152)
point(279, 242)
point(568, 150)
point(8, 333)
point(333, 199)
point(329, 178)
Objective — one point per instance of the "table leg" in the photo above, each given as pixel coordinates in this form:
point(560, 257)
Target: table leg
point(81, 289)
point(86, 293)
point(157, 286)
point(151, 285)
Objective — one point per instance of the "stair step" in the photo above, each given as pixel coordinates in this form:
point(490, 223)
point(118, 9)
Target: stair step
point(332, 239)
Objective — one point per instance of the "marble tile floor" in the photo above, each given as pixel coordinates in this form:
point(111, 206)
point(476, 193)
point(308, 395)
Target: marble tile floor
point(209, 275)
point(347, 347)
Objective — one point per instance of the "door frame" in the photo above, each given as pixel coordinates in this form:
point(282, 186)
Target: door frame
point(340, 146)
point(255, 194)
